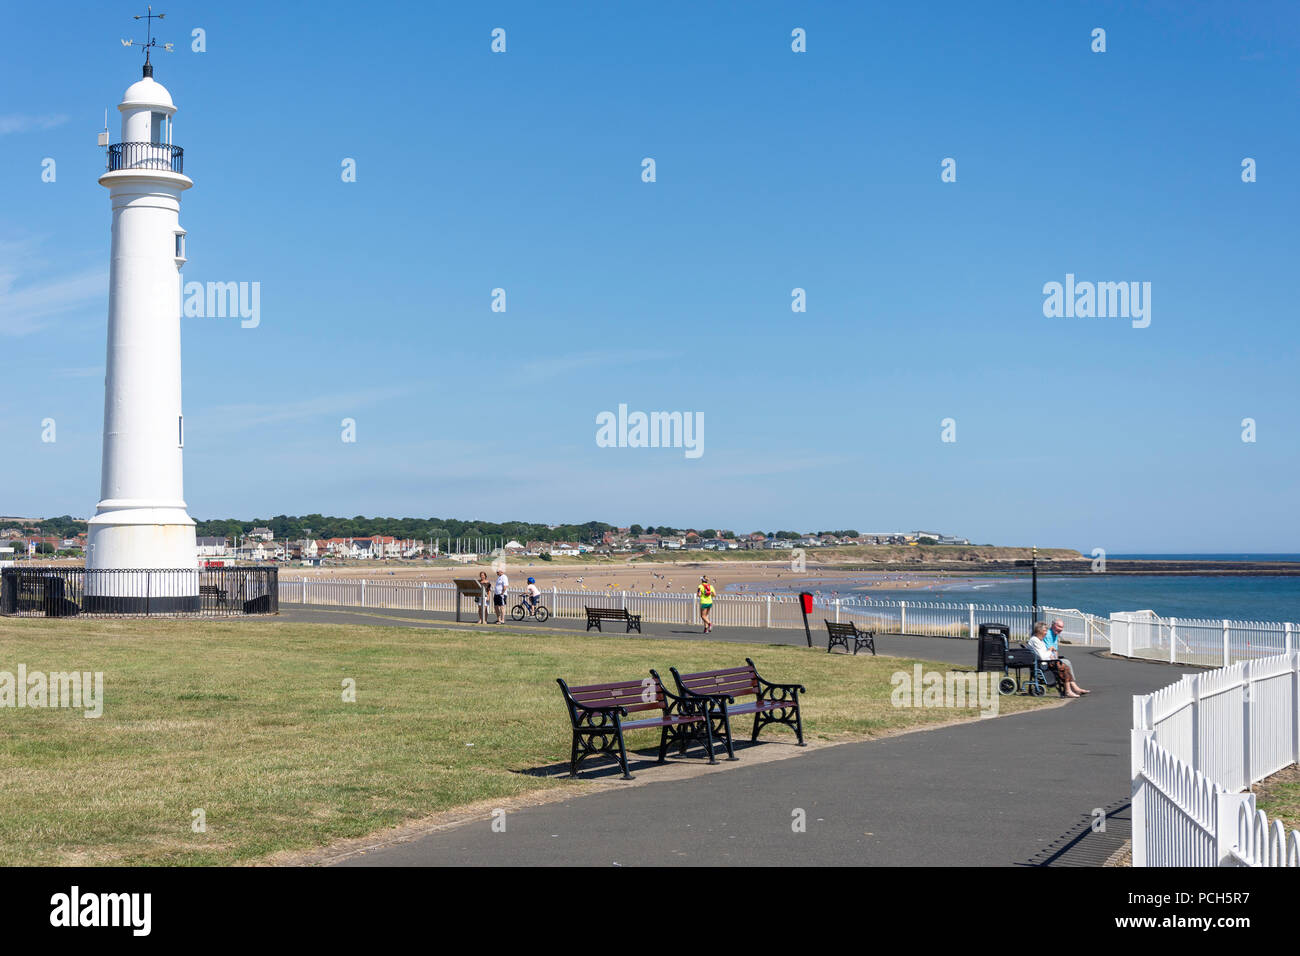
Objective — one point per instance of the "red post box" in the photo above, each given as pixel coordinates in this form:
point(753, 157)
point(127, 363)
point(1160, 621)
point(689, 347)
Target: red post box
point(806, 604)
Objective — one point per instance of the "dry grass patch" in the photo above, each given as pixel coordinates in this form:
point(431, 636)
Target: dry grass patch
point(246, 721)
point(1279, 796)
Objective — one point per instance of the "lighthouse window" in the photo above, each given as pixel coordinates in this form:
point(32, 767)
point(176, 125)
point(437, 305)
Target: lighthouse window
point(180, 245)
point(156, 128)
point(180, 425)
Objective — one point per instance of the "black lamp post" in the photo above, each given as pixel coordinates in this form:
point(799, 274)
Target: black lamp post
point(1034, 573)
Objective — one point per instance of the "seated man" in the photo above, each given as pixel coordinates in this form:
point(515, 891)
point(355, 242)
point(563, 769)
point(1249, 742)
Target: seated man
point(1063, 672)
point(1053, 641)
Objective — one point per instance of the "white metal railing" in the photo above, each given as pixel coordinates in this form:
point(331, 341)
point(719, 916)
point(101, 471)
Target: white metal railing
point(1208, 643)
point(1200, 742)
point(920, 618)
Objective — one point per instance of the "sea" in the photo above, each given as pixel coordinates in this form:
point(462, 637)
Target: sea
point(1235, 597)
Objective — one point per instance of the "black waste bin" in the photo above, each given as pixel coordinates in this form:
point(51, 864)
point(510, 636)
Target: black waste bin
point(992, 652)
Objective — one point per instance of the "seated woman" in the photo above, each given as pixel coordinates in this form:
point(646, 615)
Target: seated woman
point(1037, 645)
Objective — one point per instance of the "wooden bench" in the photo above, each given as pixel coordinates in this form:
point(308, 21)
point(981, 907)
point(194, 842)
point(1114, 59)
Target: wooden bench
point(213, 591)
point(597, 614)
point(597, 712)
point(773, 703)
point(839, 635)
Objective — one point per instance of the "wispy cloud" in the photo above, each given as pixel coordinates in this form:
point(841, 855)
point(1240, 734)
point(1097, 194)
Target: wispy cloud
point(31, 308)
point(246, 415)
point(19, 123)
point(541, 370)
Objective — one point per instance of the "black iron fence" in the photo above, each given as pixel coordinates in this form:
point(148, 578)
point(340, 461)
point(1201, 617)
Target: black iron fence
point(66, 592)
point(146, 156)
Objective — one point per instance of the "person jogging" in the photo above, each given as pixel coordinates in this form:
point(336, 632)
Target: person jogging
point(706, 594)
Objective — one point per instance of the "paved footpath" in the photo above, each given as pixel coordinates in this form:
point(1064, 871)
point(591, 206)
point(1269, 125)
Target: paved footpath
point(1017, 790)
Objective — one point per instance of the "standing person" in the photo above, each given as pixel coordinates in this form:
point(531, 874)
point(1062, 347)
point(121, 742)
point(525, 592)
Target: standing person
point(484, 586)
point(499, 591)
point(706, 593)
point(1053, 641)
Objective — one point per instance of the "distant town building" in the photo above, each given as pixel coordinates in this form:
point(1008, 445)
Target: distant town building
point(213, 547)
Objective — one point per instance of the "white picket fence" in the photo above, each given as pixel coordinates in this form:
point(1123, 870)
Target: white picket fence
point(1206, 643)
point(922, 618)
point(1196, 745)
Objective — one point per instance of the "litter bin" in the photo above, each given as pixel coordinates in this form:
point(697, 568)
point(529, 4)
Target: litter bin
point(993, 642)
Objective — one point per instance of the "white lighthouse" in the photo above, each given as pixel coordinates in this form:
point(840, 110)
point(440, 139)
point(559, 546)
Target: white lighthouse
point(141, 521)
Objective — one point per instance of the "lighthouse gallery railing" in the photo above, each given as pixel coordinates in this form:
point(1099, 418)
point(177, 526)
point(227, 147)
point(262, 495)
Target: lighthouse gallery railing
point(146, 156)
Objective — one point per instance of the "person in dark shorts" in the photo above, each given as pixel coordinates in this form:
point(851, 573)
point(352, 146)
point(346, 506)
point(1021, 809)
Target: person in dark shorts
point(499, 591)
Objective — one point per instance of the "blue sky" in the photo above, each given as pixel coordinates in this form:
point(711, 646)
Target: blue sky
point(775, 170)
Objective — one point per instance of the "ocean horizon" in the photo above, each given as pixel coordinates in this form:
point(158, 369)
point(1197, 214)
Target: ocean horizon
point(1264, 597)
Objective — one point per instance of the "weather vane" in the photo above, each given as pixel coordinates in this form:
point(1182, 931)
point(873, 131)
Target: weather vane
point(149, 17)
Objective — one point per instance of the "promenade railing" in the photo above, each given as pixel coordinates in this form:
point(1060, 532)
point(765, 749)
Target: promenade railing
point(919, 618)
point(1196, 746)
point(1203, 642)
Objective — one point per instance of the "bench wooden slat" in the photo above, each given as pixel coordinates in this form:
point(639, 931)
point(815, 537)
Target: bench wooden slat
point(617, 685)
point(719, 673)
point(631, 706)
point(730, 686)
point(661, 722)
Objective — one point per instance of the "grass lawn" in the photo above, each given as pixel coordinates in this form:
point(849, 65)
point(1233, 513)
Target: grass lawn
point(246, 720)
point(1279, 796)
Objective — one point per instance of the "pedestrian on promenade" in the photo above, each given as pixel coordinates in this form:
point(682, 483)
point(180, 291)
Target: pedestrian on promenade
point(484, 586)
point(499, 591)
point(706, 593)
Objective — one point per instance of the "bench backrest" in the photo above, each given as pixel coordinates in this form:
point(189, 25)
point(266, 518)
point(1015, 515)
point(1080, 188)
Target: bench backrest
point(632, 695)
point(606, 611)
point(732, 681)
point(841, 630)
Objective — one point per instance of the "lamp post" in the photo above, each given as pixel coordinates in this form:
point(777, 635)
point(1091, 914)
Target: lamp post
point(1034, 572)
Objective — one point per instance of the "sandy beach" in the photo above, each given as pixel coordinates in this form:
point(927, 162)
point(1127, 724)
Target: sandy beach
point(745, 576)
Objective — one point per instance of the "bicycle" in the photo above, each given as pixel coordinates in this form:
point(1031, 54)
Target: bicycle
point(539, 611)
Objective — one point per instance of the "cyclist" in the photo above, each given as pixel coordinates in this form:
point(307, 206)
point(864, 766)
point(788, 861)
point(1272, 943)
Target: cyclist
point(532, 595)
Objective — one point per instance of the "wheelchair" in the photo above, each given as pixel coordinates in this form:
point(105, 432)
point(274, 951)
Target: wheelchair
point(1042, 674)
point(997, 653)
